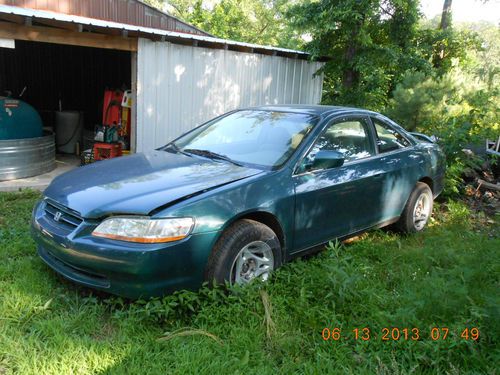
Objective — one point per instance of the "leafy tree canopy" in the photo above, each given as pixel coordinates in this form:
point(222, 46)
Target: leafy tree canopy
point(370, 43)
point(251, 21)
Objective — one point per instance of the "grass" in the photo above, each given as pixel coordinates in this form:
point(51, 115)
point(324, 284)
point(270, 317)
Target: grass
point(446, 277)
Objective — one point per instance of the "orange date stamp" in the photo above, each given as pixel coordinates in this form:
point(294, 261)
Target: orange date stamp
point(397, 334)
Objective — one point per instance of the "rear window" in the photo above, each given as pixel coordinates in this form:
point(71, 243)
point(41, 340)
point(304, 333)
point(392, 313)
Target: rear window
point(388, 139)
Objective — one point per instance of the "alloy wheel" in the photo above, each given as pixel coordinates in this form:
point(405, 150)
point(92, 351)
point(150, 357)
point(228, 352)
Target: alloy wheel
point(422, 211)
point(254, 260)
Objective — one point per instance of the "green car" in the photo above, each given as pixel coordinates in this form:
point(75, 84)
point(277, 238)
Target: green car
point(235, 198)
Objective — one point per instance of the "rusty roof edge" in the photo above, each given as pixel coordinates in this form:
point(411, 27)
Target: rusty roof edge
point(175, 18)
point(44, 14)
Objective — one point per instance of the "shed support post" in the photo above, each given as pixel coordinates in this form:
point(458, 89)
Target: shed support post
point(133, 117)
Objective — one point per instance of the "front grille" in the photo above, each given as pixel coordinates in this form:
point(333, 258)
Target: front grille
point(62, 215)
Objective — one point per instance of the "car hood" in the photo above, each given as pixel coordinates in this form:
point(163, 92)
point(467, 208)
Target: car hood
point(139, 183)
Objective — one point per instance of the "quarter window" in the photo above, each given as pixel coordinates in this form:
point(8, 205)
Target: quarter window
point(388, 139)
point(351, 138)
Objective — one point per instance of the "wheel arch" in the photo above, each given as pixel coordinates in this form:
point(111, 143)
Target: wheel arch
point(428, 181)
point(266, 218)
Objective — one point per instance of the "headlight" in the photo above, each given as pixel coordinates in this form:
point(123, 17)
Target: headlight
point(144, 230)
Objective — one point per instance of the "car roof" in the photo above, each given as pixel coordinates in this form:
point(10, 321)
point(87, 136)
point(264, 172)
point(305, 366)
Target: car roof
point(318, 110)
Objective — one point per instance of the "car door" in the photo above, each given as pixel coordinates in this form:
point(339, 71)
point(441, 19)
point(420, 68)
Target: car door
point(338, 201)
point(400, 163)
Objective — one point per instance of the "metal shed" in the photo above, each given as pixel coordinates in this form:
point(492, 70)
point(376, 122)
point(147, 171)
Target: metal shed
point(180, 76)
point(181, 86)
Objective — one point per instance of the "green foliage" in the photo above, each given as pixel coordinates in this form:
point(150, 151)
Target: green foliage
point(443, 277)
point(370, 44)
point(486, 60)
point(457, 166)
point(457, 44)
point(251, 21)
point(457, 107)
point(430, 103)
point(178, 307)
point(159, 4)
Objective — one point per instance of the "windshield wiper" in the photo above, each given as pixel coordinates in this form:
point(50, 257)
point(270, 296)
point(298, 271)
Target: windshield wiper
point(177, 149)
point(211, 155)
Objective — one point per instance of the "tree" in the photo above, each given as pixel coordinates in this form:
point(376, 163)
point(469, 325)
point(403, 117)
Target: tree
point(251, 21)
point(159, 4)
point(446, 15)
point(370, 44)
point(486, 55)
point(444, 25)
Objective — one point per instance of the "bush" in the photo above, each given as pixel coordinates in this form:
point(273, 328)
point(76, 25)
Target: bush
point(458, 108)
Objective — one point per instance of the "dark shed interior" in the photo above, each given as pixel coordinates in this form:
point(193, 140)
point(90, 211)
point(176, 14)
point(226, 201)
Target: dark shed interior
point(74, 76)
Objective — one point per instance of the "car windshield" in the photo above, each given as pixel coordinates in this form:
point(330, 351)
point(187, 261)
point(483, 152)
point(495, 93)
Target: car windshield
point(258, 137)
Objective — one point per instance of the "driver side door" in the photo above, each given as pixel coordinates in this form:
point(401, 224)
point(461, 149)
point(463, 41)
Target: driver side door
point(337, 201)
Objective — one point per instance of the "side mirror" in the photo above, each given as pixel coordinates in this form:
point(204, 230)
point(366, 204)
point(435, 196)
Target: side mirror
point(327, 159)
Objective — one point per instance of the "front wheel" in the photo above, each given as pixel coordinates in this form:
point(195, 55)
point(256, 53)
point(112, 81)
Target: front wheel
point(247, 250)
point(418, 209)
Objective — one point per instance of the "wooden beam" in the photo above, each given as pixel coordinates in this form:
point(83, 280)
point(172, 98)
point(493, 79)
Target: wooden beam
point(12, 18)
point(59, 25)
point(264, 51)
point(58, 36)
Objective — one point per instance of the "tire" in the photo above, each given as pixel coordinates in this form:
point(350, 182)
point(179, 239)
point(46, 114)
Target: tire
point(247, 246)
point(417, 211)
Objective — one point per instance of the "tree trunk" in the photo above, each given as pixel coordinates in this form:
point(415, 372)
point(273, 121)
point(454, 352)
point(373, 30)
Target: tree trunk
point(443, 25)
point(446, 15)
point(350, 76)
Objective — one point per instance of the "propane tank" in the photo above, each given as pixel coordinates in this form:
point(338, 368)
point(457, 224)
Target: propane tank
point(18, 120)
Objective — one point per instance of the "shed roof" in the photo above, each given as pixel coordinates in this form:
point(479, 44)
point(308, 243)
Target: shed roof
point(109, 27)
point(132, 12)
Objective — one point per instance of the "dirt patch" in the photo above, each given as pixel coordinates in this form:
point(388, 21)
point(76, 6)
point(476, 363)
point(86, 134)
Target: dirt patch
point(105, 332)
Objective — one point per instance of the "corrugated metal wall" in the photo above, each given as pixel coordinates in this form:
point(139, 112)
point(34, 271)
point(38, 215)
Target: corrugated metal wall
point(131, 12)
point(179, 87)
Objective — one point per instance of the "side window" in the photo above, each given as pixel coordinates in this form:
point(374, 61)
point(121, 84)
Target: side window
point(388, 139)
point(350, 137)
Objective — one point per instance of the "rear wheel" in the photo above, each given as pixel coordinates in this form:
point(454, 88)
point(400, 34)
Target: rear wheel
point(418, 209)
point(246, 251)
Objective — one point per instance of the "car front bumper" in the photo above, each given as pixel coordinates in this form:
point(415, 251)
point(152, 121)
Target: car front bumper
point(127, 269)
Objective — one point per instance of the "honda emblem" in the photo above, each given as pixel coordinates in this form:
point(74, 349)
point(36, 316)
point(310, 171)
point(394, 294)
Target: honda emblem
point(57, 216)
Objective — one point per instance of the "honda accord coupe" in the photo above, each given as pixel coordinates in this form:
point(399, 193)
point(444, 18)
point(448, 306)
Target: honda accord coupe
point(235, 198)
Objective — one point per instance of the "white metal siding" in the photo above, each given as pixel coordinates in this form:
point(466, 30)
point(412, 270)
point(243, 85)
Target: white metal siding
point(180, 87)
